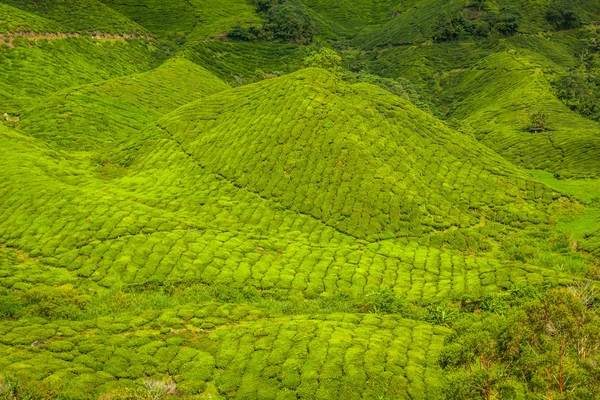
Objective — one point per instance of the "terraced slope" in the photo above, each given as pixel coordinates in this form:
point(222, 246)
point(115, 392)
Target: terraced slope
point(170, 221)
point(195, 19)
point(308, 357)
point(495, 85)
point(103, 113)
point(80, 16)
point(503, 89)
point(242, 63)
point(346, 18)
point(17, 20)
point(416, 21)
point(33, 70)
point(181, 210)
point(312, 143)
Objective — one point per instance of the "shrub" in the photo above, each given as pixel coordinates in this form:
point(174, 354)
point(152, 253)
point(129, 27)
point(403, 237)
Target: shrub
point(263, 6)
point(56, 302)
point(289, 22)
point(536, 121)
point(451, 27)
point(508, 22)
point(324, 58)
point(179, 38)
point(286, 22)
point(10, 305)
point(240, 33)
point(479, 4)
point(580, 92)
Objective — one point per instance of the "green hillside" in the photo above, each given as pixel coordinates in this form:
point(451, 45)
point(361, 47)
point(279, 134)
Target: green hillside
point(189, 20)
point(101, 114)
point(495, 85)
point(81, 16)
point(301, 127)
point(418, 21)
point(299, 199)
point(17, 20)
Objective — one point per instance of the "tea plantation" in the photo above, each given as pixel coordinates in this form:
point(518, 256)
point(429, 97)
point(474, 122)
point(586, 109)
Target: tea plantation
point(299, 199)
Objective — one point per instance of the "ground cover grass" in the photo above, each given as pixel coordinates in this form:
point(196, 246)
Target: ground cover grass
point(585, 225)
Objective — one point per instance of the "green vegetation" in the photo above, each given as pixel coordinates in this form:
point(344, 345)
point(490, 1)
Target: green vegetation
point(101, 114)
point(299, 199)
point(545, 345)
point(76, 16)
point(285, 21)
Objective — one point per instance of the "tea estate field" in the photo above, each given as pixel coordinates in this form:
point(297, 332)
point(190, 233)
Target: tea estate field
point(299, 199)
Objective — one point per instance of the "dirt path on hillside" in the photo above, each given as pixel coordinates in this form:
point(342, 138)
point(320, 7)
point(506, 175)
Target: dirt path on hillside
point(8, 38)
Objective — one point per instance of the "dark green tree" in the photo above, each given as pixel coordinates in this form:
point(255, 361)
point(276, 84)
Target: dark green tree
point(507, 22)
point(561, 16)
point(289, 22)
point(451, 28)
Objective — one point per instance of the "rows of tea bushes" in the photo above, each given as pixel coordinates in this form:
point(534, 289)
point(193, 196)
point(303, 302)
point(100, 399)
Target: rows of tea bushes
point(425, 21)
point(17, 20)
point(178, 219)
point(242, 63)
point(234, 351)
point(83, 16)
point(111, 111)
point(33, 69)
point(376, 169)
point(496, 87)
point(186, 21)
point(170, 220)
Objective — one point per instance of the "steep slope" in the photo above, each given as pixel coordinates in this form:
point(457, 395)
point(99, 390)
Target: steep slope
point(36, 69)
point(178, 218)
point(417, 21)
point(357, 158)
point(80, 16)
point(497, 94)
point(346, 18)
point(194, 19)
point(102, 113)
point(242, 63)
point(169, 221)
point(17, 20)
point(495, 85)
